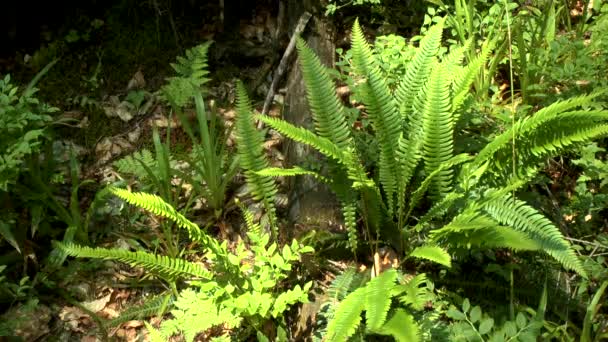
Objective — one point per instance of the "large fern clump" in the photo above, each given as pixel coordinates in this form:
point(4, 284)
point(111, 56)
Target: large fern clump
point(414, 125)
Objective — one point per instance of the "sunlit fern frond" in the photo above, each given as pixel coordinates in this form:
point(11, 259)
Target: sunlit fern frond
point(251, 153)
point(159, 207)
point(167, 268)
point(418, 70)
point(438, 130)
point(383, 113)
point(549, 131)
point(432, 253)
point(327, 110)
point(522, 217)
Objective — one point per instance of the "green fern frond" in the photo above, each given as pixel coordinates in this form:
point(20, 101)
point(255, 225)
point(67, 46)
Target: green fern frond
point(347, 316)
point(522, 217)
point(415, 292)
point(156, 205)
point(377, 303)
point(383, 113)
point(194, 64)
point(417, 195)
point(438, 209)
point(402, 327)
point(166, 267)
point(252, 226)
point(327, 110)
point(155, 335)
point(464, 77)
point(292, 172)
point(192, 71)
point(131, 164)
point(419, 70)
point(349, 211)
point(304, 136)
point(251, 152)
point(433, 253)
point(542, 135)
point(152, 306)
point(438, 126)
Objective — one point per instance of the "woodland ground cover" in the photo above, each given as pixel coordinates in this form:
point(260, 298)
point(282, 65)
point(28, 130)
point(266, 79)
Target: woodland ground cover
point(462, 145)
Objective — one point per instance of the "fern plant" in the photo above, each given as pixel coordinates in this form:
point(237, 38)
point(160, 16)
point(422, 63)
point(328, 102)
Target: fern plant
point(231, 287)
point(414, 127)
point(192, 74)
point(375, 299)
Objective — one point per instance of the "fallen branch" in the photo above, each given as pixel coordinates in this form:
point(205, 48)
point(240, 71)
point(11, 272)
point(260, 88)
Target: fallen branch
point(304, 18)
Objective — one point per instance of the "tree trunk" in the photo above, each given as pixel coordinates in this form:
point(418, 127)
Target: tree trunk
point(312, 205)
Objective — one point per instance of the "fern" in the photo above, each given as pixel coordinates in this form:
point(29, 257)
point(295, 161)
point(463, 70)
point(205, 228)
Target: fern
point(251, 153)
point(383, 112)
point(166, 267)
point(375, 300)
point(192, 75)
point(522, 217)
point(327, 110)
point(150, 307)
point(159, 207)
point(432, 253)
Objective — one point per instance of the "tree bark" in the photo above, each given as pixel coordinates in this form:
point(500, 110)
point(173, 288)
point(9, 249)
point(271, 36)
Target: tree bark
point(312, 205)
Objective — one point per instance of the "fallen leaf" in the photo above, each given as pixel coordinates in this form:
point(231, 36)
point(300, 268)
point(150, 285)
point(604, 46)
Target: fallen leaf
point(98, 304)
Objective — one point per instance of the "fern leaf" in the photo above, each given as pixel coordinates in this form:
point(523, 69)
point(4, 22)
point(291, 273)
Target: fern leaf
point(161, 208)
point(402, 327)
point(304, 136)
point(292, 172)
point(438, 129)
point(419, 69)
point(377, 303)
point(433, 253)
point(383, 113)
point(522, 217)
point(149, 308)
point(251, 152)
point(327, 110)
point(349, 211)
point(155, 335)
point(465, 78)
point(347, 316)
point(166, 267)
point(416, 292)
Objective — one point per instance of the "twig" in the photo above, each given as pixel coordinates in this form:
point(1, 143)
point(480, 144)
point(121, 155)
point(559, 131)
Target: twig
point(304, 18)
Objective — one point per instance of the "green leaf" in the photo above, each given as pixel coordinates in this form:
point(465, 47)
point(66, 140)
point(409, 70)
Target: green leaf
point(433, 253)
point(486, 325)
point(475, 314)
point(402, 327)
point(456, 315)
point(466, 305)
point(520, 320)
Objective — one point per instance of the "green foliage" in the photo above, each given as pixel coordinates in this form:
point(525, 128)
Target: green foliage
point(235, 286)
point(192, 75)
point(251, 153)
point(23, 120)
point(375, 298)
point(472, 324)
point(419, 120)
point(335, 5)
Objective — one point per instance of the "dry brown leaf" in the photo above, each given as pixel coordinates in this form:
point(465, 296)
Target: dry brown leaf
point(137, 81)
point(97, 304)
